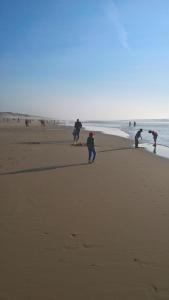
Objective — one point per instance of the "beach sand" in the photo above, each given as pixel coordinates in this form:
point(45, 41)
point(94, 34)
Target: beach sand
point(69, 230)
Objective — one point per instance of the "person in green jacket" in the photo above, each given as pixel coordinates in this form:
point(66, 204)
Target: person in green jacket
point(91, 148)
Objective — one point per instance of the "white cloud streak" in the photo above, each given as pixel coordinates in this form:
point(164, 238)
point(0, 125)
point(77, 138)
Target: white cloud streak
point(118, 25)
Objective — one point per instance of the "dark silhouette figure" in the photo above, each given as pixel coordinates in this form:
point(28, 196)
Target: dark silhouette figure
point(42, 122)
point(137, 136)
point(26, 123)
point(155, 135)
point(91, 148)
point(77, 128)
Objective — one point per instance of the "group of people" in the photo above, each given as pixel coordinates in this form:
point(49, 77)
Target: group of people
point(138, 135)
point(134, 124)
point(90, 139)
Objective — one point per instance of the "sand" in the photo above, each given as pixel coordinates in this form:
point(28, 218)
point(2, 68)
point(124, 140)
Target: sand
point(69, 230)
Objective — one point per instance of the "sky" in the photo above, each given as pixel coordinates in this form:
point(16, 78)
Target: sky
point(92, 59)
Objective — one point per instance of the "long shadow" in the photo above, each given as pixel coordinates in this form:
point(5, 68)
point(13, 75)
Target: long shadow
point(68, 142)
point(48, 168)
point(42, 169)
point(46, 142)
point(115, 149)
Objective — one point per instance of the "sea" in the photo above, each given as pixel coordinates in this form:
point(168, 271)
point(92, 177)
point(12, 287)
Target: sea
point(122, 128)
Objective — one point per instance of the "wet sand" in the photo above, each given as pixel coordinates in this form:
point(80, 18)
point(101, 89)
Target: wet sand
point(70, 230)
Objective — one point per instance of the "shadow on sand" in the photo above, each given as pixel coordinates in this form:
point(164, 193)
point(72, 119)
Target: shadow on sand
point(41, 169)
point(49, 168)
point(116, 149)
point(62, 142)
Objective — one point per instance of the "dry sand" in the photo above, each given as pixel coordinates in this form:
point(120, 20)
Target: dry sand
point(69, 230)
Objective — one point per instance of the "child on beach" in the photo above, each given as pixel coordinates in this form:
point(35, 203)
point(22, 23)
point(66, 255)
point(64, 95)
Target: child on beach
point(91, 148)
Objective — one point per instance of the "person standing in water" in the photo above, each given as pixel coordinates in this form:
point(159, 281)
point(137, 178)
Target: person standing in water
point(91, 148)
point(155, 135)
point(137, 136)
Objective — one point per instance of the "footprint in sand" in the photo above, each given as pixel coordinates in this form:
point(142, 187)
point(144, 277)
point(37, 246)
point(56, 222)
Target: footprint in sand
point(142, 263)
point(61, 260)
point(73, 244)
point(152, 291)
point(95, 267)
point(88, 246)
point(43, 235)
point(154, 287)
point(74, 235)
point(69, 247)
point(164, 214)
point(77, 243)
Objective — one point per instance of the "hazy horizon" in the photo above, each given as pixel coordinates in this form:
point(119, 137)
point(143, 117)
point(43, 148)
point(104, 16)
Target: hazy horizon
point(93, 60)
point(84, 120)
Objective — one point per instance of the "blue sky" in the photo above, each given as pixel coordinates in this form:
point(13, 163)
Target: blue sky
point(92, 59)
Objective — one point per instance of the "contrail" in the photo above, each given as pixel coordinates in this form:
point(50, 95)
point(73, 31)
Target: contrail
point(120, 29)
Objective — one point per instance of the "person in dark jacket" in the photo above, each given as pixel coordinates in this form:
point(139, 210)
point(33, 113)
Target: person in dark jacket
point(77, 127)
point(137, 136)
point(91, 148)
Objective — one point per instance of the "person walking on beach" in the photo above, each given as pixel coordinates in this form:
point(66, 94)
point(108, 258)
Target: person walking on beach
point(91, 148)
point(77, 126)
point(26, 123)
point(137, 136)
point(42, 122)
point(155, 135)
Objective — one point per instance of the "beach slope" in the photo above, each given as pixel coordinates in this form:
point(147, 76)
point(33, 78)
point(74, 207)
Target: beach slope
point(70, 230)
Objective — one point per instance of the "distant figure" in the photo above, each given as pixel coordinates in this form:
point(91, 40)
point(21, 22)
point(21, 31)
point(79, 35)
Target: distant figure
point(130, 124)
point(134, 124)
point(91, 148)
point(42, 122)
point(26, 123)
point(78, 126)
point(74, 134)
point(155, 135)
point(137, 136)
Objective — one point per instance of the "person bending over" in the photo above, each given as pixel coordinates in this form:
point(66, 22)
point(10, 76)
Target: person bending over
point(137, 136)
point(155, 135)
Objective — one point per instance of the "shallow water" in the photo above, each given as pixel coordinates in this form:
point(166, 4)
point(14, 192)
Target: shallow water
point(121, 128)
point(160, 149)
